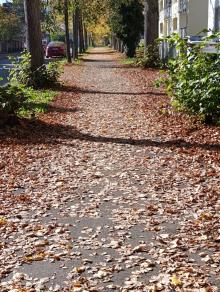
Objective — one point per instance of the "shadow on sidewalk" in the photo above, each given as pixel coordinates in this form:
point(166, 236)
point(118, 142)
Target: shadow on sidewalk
point(39, 132)
point(52, 108)
point(105, 52)
point(94, 91)
point(98, 60)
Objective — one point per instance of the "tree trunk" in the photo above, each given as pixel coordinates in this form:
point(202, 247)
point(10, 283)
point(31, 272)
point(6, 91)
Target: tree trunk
point(33, 33)
point(151, 13)
point(81, 34)
point(121, 47)
point(67, 35)
point(76, 33)
point(86, 37)
point(73, 43)
point(131, 49)
point(114, 43)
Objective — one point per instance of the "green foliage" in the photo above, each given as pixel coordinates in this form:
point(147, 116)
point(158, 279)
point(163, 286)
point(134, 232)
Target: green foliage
point(127, 22)
point(148, 58)
point(194, 81)
point(36, 102)
point(10, 25)
point(19, 101)
point(58, 36)
point(130, 62)
point(44, 76)
point(144, 58)
point(19, 98)
point(12, 97)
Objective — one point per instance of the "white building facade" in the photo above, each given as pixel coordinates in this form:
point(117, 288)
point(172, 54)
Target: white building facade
point(188, 17)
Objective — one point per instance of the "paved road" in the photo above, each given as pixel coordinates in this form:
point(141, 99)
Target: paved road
point(5, 65)
point(95, 199)
point(4, 70)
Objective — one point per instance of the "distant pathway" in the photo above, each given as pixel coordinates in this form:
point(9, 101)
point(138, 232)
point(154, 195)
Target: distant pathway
point(102, 201)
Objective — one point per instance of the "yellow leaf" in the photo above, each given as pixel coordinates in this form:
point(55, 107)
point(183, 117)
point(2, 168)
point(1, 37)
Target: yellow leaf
point(37, 257)
point(175, 281)
point(205, 216)
point(80, 269)
point(77, 285)
point(153, 289)
point(3, 221)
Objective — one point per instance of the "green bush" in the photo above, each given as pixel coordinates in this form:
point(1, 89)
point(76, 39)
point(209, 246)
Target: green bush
point(44, 76)
point(37, 102)
point(20, 98)
point(17, 101)
point(12, 100)
point(193, 79)
point(148, 58)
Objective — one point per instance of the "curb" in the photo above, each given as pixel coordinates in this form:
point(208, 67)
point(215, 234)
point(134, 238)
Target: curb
point(5, 55)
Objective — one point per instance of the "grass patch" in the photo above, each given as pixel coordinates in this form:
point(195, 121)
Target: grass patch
point(77, 61)
point(37, 102)
point(128, 61)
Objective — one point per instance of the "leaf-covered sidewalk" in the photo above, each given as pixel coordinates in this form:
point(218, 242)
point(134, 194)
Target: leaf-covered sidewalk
point(110, 190)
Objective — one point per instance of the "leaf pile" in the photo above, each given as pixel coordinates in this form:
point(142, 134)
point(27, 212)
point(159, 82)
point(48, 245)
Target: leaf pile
point(106, 193)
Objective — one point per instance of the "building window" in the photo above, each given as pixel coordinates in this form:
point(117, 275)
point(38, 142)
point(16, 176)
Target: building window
point(175, 23)
point(217, 17)
point(183, 4)
point(168, 8)
point(161, 5)
point(161, 28)
point(183, 32)
point(168, 3)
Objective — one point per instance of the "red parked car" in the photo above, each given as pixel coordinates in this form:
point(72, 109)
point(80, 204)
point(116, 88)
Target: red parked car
point(56, 49)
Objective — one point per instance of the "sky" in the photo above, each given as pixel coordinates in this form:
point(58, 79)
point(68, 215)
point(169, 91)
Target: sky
point(2, 1)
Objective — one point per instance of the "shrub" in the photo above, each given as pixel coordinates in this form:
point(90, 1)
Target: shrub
point(44, 76)
point(193, 80)
point(19, 97)
point(148, 58)
point(17, 101)
point(12, 99)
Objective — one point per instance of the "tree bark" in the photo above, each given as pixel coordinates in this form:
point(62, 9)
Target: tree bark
point(33, 33)
point(151, 13)
point(81, 34)
point(76, 33)
point(67, 35)
point(86, 37)
point(73, 43)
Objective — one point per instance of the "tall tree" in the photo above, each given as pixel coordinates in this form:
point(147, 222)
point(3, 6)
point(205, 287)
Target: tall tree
point(151, 13)
point(66, 20)
point(33, 33)
point(127, 22)
point(85, 36)
point(76, 19)
point(81, 34)
point(10, 25)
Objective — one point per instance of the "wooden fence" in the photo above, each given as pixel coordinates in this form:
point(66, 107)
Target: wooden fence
point(11, 46)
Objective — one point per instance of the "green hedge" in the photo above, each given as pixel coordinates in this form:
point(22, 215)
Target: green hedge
point(193, 79)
